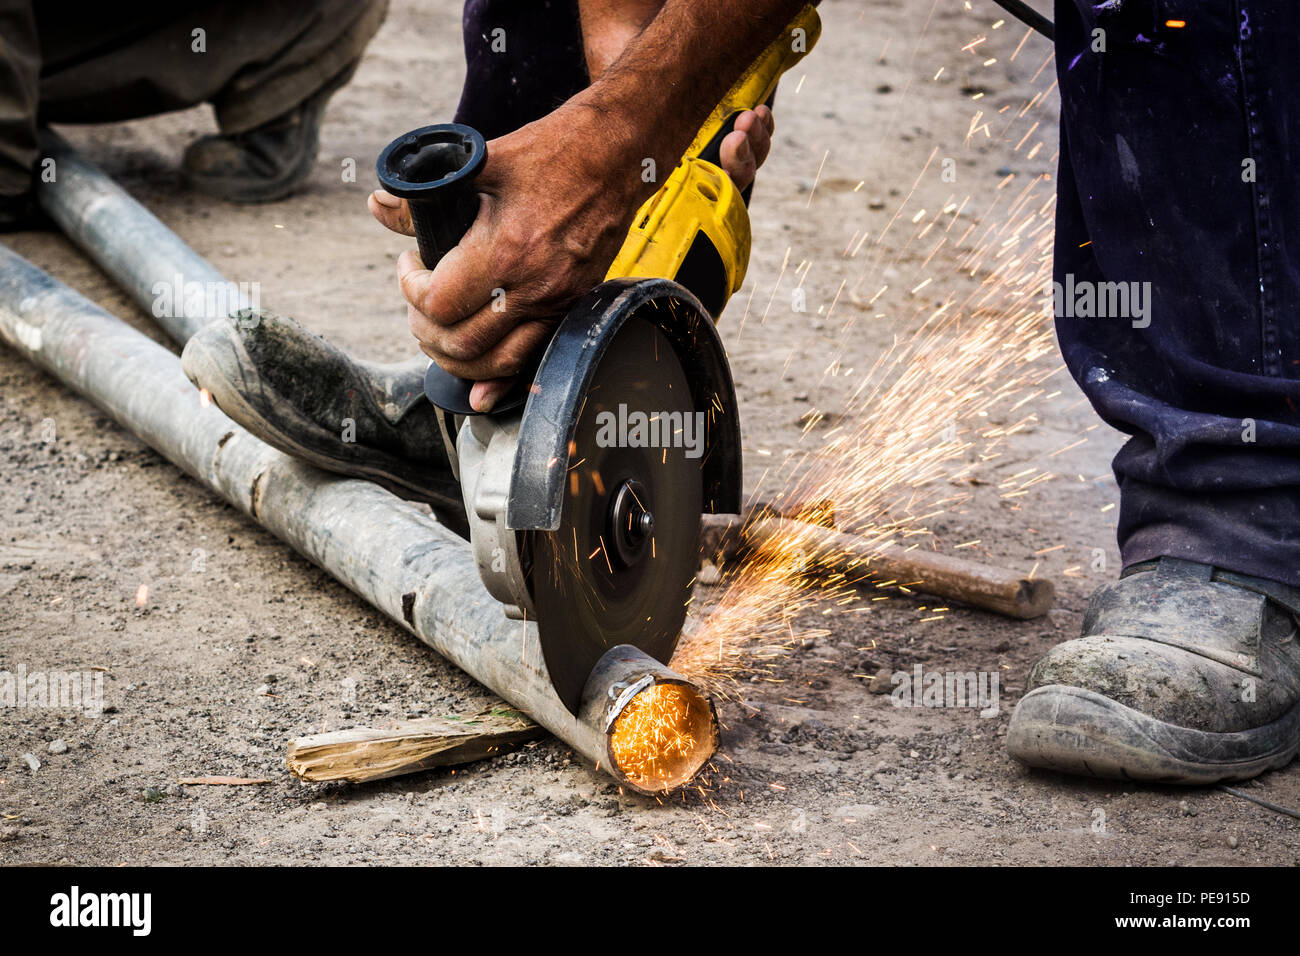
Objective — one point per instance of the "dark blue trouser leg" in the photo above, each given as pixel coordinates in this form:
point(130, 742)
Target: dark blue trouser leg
point(1180, 167)
point(523, 58)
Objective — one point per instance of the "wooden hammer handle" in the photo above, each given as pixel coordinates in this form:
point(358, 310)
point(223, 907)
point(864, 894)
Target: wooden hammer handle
point(835, 552)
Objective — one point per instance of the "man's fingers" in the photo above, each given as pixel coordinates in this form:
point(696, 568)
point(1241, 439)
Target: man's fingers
point(393, 213)
point(758, 125)
point(467, 339)
point(746, 147)
point(456, 289)
point(507, 358)
point(484, 395)
point(738, 159)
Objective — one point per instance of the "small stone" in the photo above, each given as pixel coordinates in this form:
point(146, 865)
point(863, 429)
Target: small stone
point(1233, 843)
point(59, 746)
point(319, 805)
point(261, 689)
point(709, 575)
point(883, 681)
point(32, 763)
point(8, 834)
point(153, 795)
point(875, 203)
point(1187, 809)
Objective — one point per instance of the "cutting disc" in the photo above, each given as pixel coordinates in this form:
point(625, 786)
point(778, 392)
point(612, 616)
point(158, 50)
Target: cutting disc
point(619, 568)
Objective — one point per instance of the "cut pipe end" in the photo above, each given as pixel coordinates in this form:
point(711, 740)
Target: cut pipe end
point(660, 730)
point(663, 737)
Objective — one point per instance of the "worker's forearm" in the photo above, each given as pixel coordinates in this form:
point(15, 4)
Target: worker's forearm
point(653, 99)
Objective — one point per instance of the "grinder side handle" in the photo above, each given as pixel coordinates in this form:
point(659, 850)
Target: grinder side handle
point(433, 169)
point(441, 222)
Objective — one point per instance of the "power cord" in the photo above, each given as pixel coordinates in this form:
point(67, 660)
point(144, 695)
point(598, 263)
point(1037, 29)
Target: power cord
point(1029, 17)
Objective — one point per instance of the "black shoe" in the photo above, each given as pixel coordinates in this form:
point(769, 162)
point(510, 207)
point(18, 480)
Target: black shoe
point(263, 164)
point(303, 396)
point(1184, 674)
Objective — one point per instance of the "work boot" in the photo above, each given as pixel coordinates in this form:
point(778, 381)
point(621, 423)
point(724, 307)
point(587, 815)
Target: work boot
point(1184, 674)
point(265, 163)
point(303, 396)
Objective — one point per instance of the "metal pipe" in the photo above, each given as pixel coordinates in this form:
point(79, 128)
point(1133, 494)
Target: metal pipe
point(398, 559)
point(658, 729)
point(151, 263)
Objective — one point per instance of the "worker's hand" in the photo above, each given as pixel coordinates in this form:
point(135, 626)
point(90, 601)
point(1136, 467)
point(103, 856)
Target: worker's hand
point(559, 194)
point(551, 221)
point(557, 199)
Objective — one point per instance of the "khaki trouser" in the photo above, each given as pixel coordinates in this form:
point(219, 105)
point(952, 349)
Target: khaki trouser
point(76, 62)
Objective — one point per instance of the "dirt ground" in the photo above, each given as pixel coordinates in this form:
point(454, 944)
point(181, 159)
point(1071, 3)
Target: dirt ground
point(243, 645)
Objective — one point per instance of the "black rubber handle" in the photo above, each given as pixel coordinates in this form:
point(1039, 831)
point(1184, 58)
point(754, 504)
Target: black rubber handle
point(433, 169)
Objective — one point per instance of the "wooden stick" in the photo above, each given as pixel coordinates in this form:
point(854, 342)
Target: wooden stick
point(732, 537)
point(363, 754)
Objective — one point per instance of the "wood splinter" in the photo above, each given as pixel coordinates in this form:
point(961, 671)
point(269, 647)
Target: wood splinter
point(362, 754)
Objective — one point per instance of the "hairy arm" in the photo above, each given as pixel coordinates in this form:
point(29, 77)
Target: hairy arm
point(659, 91)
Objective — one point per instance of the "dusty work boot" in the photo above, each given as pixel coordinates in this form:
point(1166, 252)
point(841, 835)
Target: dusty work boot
point(298, 393)
point(1184, 674)
point(263, 164)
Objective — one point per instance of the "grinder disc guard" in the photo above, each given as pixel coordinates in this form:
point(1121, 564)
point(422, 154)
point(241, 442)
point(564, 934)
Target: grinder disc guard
point(619, 568)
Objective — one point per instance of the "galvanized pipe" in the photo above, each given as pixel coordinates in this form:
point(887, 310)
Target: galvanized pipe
point(129, 243)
